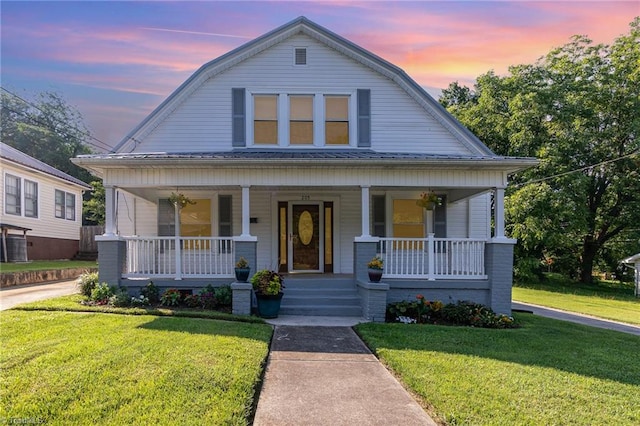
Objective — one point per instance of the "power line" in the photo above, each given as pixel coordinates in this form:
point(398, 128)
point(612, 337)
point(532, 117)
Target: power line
point(631, 154)
point(105, 146)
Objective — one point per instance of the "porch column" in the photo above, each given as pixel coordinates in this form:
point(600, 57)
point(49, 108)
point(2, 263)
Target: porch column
point(366, 233)
point(109, 210)
point(246, 212)
point(498, 194)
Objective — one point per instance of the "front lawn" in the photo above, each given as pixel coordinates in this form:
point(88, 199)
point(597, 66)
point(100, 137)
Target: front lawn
point(43, 265)
point(546, 372)
point(606, 299)
point(94, 368)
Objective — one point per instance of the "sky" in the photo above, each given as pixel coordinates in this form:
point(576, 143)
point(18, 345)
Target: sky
point(115, 61)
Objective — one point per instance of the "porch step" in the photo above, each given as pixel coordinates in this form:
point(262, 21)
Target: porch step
point(321, 296)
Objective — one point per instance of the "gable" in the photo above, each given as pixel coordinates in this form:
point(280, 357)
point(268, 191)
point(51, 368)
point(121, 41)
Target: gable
point(198, 116)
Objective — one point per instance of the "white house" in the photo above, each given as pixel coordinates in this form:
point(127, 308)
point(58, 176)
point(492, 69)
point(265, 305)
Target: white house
point(306, 153)
point(634, 263)
point(42, 202)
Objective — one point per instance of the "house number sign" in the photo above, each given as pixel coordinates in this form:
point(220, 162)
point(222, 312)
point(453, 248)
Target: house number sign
point(305, 197)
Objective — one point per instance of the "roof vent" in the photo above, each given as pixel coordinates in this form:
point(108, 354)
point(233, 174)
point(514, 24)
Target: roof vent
point(301, 56)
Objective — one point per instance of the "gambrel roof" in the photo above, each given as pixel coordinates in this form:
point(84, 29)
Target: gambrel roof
point(328, 38)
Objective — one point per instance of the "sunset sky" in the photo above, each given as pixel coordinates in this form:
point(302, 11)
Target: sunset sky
point(116, 61)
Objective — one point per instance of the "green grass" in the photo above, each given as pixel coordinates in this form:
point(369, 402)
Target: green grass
point(41, 265)
point(92, 368)
point(547, 372)
point(605, 299)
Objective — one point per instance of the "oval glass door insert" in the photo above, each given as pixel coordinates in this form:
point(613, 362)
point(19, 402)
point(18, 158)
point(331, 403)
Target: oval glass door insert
point(305, 228)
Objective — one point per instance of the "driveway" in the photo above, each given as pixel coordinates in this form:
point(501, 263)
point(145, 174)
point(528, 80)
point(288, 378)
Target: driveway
point(12, 296)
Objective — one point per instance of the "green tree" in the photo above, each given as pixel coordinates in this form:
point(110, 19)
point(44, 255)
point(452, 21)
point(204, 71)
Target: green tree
point(48, 129)
point(578, 110)
point(93, 209)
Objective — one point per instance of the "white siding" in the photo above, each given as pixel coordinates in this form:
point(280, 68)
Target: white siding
point(202, 121)
point(480, 216)
point(458, 219)
point(350, 227)
point(136, 216)
point(46, 224)
point(266, 229)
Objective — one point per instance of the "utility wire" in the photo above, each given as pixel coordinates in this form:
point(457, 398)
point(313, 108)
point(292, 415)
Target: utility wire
point(631, 154)
point(105, 146)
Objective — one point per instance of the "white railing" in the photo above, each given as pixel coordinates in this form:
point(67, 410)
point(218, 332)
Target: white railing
point(433, 258)
point(179, 257)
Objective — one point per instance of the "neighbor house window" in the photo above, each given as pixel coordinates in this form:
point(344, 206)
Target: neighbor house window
point(301, 120)
point(265, 119)
point(336, 126)
point(65, 205)
point(12, 195)
point(30, 198)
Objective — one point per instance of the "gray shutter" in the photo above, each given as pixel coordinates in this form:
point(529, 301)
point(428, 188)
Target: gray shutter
point(238, 137)
point(166, 218)
point(440, 219)
point(225, 224)
point(364, 118)
point(378, 210)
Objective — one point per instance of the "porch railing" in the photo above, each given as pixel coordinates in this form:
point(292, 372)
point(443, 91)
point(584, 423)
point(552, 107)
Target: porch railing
point(433, 258)
point(179, 257)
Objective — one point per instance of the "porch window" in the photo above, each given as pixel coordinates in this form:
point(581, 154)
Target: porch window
point(408, 219)
point(336, 120)
point(301, 120)
point(265, 124)
point(195, 219)
point(12, 195)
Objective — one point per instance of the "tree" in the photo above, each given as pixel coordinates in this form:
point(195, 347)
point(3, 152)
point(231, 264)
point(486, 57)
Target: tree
point(577, 110)
point(94, 209)
point(47, 129)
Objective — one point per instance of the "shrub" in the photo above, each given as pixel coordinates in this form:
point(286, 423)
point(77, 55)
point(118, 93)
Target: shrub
point(434, 312)
point(120, 298)
point(224, 295)
point(192, 301)
point(87, 283)
point(208, 298)
point(101, 293)
point(171, 297)
point(139, 301)
point(151, 292)
point(266, 282)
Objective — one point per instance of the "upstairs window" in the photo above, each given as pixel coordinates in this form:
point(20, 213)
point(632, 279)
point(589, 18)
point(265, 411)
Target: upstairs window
point(30, 198)
point(336, 120)
point(265, 123)
point(301, 120)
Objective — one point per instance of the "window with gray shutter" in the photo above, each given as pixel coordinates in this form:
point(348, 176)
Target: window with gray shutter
point(238, 136)
point(364, 118)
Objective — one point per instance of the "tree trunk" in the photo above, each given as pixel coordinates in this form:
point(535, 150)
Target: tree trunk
point(589, 251)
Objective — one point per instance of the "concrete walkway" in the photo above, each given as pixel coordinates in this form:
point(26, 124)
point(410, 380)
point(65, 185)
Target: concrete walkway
point(577, 318)
point(12, 296)
point(327, 376)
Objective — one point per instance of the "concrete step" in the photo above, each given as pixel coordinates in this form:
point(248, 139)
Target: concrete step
point(348, 300)
point(322, 310)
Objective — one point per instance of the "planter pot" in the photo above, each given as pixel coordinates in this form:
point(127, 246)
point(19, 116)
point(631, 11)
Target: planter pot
point(269, 305)
point(375, 275)
point(242, 274)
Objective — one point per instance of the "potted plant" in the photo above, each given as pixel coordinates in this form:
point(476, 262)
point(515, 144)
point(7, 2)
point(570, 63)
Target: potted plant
point(375, 269)
point(268, 285)
point(428, 200)
point(242, 270)
point(180, 200)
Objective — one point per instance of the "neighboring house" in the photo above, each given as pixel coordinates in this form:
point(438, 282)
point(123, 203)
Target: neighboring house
point(43, 202)
point(634, 263)
point(306, 153)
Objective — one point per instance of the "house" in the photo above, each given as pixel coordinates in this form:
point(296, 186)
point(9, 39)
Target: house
point(41, 209)
point(634, 263)
point(306, 153)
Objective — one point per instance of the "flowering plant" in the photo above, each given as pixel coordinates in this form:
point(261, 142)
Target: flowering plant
point(376, 263)
point(180, 199)
point(428, 200)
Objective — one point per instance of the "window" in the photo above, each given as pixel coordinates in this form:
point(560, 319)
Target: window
point(195, 219)
point(408, 219)
point(301, 120)
point(300, 56)
point(336, 120)
point(12, 195)
point(30, 198)
point(265, 119)
point(65, 205)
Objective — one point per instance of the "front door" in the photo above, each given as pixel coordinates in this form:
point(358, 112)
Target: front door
point(305, 244)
